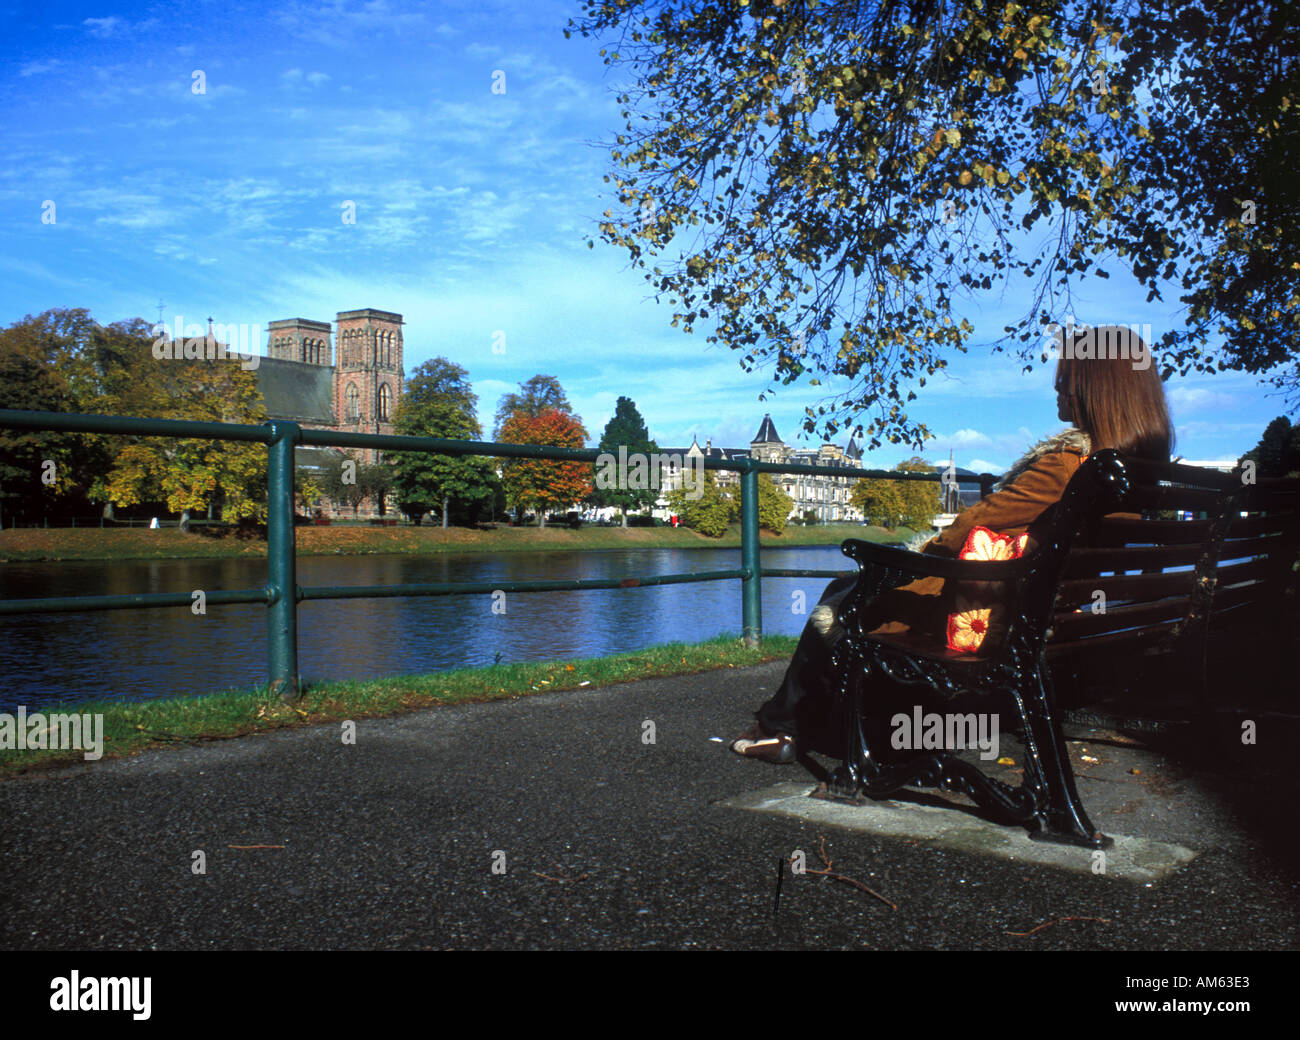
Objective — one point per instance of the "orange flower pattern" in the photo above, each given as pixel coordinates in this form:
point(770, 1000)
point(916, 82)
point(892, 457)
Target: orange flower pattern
point(967, 628)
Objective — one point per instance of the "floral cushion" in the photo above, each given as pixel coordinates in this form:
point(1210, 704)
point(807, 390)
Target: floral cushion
point(978, 610)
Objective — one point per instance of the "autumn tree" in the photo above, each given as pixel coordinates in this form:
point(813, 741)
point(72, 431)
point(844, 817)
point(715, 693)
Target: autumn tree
point(543, 484)
point(890, 503)
point(438, 402)
point(626, 429)
point(826, 186)
point(44, 365)
point(190, 474)
point(538, 395)
point(65, 361)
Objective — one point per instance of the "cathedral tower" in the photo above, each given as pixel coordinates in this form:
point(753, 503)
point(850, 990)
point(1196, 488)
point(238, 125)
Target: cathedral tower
point(299, 339)
point(368, 377)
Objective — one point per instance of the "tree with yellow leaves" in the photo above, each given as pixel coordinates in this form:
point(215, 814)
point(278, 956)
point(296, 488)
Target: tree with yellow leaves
point(188, 474)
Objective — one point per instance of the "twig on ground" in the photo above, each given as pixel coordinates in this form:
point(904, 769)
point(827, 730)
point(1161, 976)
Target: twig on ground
point(562, 880)
point(1048, 924)
point(827, 872)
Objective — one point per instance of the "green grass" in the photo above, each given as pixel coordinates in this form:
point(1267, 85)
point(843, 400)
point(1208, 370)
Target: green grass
point(38, 544)
point(131, 728)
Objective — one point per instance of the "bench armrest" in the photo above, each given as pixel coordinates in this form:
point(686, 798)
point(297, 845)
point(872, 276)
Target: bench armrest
point(877, 560)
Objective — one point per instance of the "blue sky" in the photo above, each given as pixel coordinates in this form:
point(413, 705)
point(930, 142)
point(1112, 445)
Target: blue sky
point(472, 212)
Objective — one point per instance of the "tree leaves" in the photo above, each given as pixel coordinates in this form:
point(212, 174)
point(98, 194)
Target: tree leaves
point(543, 484)
point(1074, 122)
point(438, 402)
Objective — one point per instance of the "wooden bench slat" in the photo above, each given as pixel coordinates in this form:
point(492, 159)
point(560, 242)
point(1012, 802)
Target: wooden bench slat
point(1075, 625)
point(1260, 592)
point(1273, 499)
point(1158, 496)
point(1250, 615)
point(1148, 471)
point(1084, 563)
point(1113, 532)
point(1125, 586)
point(1253, 526)
point(1057, 648)
point(1253, 570)
point(1233, 549)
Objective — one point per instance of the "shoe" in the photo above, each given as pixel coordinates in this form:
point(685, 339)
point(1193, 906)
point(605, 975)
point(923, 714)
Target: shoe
point(754, 743)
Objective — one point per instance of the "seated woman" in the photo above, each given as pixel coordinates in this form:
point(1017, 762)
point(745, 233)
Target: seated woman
point(1112, 402)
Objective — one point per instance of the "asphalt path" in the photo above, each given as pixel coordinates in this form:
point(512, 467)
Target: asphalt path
point(553, 822)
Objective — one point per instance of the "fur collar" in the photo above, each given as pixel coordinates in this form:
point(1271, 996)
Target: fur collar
point(1067, 440)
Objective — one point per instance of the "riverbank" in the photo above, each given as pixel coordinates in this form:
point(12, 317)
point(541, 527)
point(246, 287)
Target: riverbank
point(134, 727)
point(52, 544)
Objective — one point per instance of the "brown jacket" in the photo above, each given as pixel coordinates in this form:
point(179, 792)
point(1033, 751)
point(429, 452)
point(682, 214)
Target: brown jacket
point(1031, 486)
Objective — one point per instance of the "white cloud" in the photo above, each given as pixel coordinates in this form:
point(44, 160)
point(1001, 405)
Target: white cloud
point(114, 27)
point(104, 28)
point(295, 76)
point(1185, 399)
point(968, 439)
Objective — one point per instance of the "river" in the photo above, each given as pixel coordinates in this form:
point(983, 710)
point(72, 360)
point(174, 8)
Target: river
point(133, 655)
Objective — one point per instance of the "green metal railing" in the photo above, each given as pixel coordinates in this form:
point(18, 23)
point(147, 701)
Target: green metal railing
point(282, 594)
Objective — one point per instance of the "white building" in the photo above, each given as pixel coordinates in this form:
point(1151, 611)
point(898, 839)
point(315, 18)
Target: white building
point(827, 498)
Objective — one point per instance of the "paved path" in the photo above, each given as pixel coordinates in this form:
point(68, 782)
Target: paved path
point(389, 843)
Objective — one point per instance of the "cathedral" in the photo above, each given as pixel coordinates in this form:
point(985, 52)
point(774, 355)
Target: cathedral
point(301, 379)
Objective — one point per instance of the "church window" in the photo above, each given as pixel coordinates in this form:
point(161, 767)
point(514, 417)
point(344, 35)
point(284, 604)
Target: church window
point(384, 397)
point(354, 404)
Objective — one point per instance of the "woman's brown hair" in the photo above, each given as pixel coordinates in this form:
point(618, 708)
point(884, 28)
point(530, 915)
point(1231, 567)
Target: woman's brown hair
point(1110, 378)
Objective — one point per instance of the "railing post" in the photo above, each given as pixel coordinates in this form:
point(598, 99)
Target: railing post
point(750, 587)
point(281, 562)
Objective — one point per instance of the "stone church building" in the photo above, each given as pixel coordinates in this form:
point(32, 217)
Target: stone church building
point(355, 390)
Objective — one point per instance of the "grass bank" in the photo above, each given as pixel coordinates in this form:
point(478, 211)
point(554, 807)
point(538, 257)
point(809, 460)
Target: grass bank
point(131, 728)
point(38, 544)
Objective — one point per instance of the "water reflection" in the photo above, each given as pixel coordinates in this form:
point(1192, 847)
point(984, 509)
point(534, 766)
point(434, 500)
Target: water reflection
point(139, 654)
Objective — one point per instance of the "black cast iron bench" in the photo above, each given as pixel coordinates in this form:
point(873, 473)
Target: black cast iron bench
point(1181, 597)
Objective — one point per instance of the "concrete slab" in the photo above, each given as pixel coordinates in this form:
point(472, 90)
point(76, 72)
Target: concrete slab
point(1133, 859)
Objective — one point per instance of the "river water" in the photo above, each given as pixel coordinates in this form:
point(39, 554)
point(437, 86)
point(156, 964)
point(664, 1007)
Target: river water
point(133, 655)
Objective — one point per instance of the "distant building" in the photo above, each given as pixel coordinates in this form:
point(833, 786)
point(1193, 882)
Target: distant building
point(1222, 465)
point(826, 497)
point(301, 379)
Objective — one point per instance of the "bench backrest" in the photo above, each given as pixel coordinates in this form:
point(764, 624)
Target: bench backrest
point(1136, 581)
